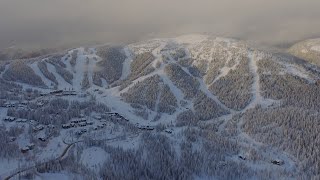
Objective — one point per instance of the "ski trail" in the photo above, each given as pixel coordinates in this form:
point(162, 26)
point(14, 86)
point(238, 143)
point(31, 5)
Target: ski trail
point(173, 88)
point(267, 153)
point(5, 69)
point(204, 89)
point(126, 70)
point(80, 69)
point(256, 96)
point(38, 72)
point(90, 69)
point(62, 83)
point(225, 70)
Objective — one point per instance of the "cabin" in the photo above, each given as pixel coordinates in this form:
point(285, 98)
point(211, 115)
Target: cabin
point(97, 117)
point(22, 120)
point(277, 162)
point(9, 105)
point(169, 131)
point(82, 131)
point(31, 146)
point(69, 93)
point(24, 103)
point(242, 157)
point(24, 149)
point(149, 128)
point(10, 119)
point(75, 121)
point(101, 126)
point(40, 104)
point(43, 139)
point(146, 128)
point(27, 148)
point(83, 124)
point(72, 125)
point(11, 139)
point(83, 120)
point(21, 106)
point(90, 123)
point(38, 128)
point(56, 92)
point(66, 126)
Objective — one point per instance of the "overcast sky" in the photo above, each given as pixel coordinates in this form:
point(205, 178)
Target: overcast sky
point(45, 23)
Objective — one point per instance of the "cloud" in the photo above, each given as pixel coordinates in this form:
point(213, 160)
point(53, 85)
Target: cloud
point(41, 23)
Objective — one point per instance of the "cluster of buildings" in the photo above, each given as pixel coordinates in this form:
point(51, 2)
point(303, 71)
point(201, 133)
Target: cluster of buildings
point(77, 123)
point(60, 93)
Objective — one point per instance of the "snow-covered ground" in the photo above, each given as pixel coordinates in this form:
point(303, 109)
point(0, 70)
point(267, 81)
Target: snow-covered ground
point(57, 176)
point(315, 48)
point(94, 157)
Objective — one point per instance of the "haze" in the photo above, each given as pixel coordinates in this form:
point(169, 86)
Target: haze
point(53, 23)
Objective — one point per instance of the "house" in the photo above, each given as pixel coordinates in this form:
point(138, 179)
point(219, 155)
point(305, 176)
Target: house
point(69, 93)
point(38, 128)
point(24, 103)
point(101, 126)
point(169, 131)
point(149, 128)
point(98, 117)
point(242, 157)
point(10, 119)
point(9, 105)
point(277, 162)
point(90, 123)
point(56, 92)
point(43, 139)
point(27, 148)
point(83, 120)
point(66, 126)
point(146, 128)
point(83, 124)
point(40, 104)
point(75, 121)
point(82, 131)
point(21, 106)
point(22, 120)
point(24, 149)
point(11, 139)
point(31, 146)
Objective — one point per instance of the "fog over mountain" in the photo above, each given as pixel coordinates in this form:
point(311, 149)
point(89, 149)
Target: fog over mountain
point(146, 89)
point(45, 23)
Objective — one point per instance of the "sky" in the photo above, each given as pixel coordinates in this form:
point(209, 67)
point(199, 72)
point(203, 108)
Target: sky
point(51, 23)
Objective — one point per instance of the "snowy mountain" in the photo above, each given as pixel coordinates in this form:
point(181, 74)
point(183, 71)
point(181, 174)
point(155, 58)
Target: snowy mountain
point(308, 50)
point(240, 111)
